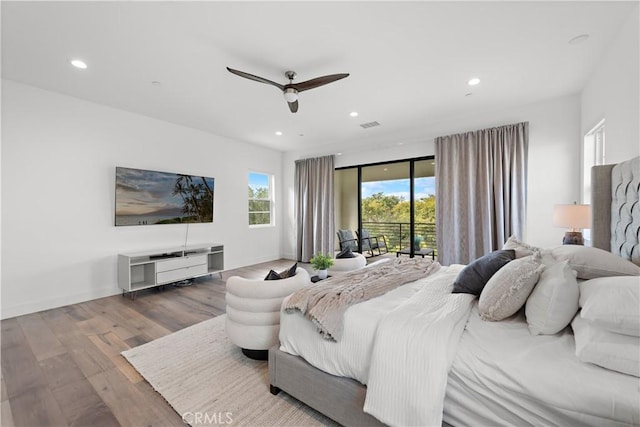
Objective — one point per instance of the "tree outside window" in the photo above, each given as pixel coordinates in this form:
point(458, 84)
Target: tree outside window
point(260, 199)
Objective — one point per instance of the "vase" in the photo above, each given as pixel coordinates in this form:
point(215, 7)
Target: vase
point(322, 274)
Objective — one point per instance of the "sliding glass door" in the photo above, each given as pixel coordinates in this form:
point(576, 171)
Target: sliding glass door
point(395, 200)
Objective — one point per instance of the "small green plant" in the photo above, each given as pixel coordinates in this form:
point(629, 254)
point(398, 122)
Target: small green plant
point(417, 242)
point(321, 262)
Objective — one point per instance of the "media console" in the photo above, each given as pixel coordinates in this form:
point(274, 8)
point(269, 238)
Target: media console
point(142, 270)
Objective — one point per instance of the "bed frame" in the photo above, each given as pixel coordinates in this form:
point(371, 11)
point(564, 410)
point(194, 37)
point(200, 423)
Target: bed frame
point(615, 228)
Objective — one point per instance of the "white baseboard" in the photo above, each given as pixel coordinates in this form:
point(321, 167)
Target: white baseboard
point(47, 304)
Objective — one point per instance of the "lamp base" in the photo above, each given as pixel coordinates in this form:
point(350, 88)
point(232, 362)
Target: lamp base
point(573, 238)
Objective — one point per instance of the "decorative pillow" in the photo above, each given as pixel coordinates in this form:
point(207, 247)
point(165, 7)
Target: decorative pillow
point(607, 349)
point(522, 249)
point(474, 276)
point(591, 263)
point(272, 275)
point(508, 289)
point(345, 253)
point(282, 275)
point(554, 300)
point(612, 303)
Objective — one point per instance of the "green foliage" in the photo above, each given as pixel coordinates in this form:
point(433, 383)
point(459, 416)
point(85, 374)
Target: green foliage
point(382, 208)
point(197, 197)
point(321, 262)
point(259, 206)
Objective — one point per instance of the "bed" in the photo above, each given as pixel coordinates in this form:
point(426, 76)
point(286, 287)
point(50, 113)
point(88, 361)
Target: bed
point(499, 373)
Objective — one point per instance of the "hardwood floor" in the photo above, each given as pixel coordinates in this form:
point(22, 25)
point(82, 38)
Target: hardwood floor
point(62, 367)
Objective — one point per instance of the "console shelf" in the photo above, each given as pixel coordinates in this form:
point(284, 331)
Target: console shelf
point(142, 270)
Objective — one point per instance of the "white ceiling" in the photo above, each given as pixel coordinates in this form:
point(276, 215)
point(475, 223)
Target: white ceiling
point(409, 61)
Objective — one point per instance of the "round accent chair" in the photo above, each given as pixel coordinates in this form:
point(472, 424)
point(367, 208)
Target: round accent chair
point(253, 311)
point(342, 265)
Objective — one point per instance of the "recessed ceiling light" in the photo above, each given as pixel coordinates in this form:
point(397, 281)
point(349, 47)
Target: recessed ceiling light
point(278, 133)
point(579, 39)
point(353, 114)
point(338, 154)
point(474, 81)
point(386, 169)
point(78, 63)
point(156, 83)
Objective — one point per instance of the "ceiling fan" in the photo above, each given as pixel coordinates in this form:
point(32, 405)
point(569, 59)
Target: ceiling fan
point(291, 90)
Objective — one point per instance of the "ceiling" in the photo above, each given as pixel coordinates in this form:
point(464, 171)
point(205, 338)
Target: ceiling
point(409, 62)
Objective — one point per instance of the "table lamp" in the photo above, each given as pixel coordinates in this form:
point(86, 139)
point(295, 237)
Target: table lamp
point(575, 217)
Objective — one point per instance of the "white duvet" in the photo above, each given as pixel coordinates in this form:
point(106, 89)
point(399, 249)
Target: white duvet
point(414, 348)
point(381, 347)
point(501, 375)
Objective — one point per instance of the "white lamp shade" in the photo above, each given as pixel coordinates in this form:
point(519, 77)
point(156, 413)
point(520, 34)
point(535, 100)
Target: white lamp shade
point(572, 216)
point(291, 95)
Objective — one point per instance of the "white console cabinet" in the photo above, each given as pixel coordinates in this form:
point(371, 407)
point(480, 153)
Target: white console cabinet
point(147, 269)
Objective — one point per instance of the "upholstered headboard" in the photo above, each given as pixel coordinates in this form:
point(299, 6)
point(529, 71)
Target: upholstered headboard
point(615, 208)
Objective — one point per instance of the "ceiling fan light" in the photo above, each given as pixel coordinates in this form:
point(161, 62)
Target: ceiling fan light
point(291, 95)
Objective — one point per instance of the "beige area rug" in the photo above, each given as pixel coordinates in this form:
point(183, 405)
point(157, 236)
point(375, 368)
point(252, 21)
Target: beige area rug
point(208, 381)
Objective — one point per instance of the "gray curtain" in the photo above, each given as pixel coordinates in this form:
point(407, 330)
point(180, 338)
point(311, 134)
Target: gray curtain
point(481, 191)
point(314, 207)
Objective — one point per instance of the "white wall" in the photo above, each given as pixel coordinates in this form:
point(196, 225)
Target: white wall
point(556, 128)
point(59, 242)
point(612, 93)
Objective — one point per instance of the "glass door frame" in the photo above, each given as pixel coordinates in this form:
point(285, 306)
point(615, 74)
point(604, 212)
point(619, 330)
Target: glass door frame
point(411, 177)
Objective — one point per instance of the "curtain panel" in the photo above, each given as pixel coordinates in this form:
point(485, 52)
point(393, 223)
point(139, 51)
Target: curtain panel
point(314, 207)
point(481, 191)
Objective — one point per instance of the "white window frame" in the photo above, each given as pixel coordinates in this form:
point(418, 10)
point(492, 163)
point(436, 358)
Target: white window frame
point(270, 198)
point(593, 154)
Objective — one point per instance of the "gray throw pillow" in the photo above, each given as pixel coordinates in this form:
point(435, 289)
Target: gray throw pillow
point(475, 276)
point(345, 253)
point(282, 275)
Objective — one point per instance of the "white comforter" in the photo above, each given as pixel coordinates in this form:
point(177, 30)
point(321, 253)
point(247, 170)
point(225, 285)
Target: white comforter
point(414, 347)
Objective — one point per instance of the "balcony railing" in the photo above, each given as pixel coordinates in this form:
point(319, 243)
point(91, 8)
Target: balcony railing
point(397, 233)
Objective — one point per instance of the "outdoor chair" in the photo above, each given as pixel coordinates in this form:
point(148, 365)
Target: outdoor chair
point(378, 243)
point(348, 240)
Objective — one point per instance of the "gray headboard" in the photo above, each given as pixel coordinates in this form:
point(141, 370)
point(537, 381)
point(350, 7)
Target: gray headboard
point(615, 209)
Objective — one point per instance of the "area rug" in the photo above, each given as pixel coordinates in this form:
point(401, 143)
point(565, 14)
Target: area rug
point(208, 381)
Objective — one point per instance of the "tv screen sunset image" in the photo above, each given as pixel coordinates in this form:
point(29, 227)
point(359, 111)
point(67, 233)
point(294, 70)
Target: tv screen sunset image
point(146, 197)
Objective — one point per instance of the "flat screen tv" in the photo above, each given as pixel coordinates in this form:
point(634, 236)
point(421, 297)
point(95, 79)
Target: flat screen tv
point(145, 197)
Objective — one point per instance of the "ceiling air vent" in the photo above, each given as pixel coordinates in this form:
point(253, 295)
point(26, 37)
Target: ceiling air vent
point(369, 125)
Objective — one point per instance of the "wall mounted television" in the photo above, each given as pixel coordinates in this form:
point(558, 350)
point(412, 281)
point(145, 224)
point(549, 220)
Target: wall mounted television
point(145, 197)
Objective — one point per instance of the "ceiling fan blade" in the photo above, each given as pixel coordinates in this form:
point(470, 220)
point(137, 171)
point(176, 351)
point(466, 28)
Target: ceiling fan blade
point(318, 81)
point(255, 78)
point(293, 106)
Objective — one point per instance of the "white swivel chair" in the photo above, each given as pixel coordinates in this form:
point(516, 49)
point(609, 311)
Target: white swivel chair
point(342, 265)
point(253, 311)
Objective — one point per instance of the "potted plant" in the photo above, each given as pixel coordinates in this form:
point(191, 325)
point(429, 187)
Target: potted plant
point(417, 241)
point(321, 263)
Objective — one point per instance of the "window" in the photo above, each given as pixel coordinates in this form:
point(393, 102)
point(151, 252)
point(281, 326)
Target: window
point(593, 155)
point(260, 199)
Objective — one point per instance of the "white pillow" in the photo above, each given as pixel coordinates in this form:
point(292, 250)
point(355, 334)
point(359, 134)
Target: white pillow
point(613, 351)
point(508, 289)
point(554, 300)
point(591, 263)
point(522, 249)
point(612, 303)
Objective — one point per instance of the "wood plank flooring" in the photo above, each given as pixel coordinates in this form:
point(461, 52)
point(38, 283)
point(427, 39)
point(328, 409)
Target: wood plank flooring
point(62, 367)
